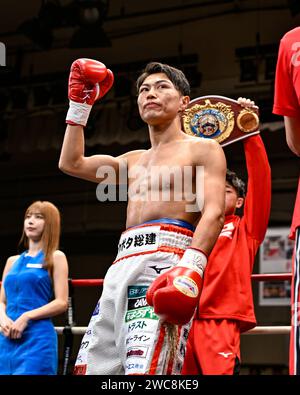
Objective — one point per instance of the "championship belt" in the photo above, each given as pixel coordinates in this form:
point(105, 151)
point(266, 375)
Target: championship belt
point(220, 118)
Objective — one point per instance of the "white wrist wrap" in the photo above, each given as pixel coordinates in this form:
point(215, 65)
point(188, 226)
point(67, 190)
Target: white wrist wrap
point(194, 259)
point(78, 113)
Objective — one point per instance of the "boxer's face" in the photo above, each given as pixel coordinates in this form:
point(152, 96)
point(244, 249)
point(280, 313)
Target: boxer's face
point(232, 201)
point(34, 224)
point(159, 100)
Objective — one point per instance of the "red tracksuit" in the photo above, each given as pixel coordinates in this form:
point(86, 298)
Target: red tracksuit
point(287, 103)
point(226, 303)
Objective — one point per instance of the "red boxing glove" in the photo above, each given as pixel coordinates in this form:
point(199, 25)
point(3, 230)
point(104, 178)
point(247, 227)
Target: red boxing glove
point(175, 294)
point(89, 80)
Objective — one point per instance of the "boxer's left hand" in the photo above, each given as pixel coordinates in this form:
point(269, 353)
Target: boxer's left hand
point(175, 293)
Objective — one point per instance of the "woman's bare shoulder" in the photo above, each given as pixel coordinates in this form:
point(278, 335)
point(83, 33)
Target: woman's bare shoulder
point(10, 261)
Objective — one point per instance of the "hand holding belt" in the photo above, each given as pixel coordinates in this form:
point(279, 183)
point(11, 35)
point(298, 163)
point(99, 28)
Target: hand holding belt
point(220, 118)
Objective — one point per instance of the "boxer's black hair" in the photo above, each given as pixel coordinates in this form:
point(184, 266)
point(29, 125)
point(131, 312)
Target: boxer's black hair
point(176, 76)
point(236, 183)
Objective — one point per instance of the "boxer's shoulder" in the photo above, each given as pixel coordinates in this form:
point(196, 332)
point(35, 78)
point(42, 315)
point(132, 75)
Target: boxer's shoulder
point(200, 143)
point(204, 150)
point(132, 154)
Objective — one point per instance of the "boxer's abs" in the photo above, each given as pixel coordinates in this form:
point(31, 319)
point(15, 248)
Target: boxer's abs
point(140, 212)
point(162, 184)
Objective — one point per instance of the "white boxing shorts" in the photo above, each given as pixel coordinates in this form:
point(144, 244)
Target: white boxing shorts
point(124, 335)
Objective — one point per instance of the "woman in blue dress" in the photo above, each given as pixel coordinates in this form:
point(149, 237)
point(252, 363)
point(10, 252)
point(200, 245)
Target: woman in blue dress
point(34, 289)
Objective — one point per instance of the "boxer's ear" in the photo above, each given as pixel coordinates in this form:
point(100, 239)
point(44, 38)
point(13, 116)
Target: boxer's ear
point(184, 102)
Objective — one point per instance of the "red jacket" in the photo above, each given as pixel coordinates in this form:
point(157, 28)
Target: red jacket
point(227, 287)
point(287, 93)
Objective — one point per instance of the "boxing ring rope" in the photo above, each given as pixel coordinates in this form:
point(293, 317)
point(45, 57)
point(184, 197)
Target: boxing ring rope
point(87, 282)
point(258, 277)
point(70, 329)
point(268, 277)
point(259, 330)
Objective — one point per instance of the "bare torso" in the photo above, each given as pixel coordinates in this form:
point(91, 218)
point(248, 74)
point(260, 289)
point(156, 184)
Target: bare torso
point(157, 179)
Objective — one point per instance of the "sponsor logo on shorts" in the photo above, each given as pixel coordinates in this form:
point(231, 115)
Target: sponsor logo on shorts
point(79, 359)
point(158, 269)
point(140, 338)
point(141, 326)
point(137, 291)
point(80, 369)
point(97, 309)
point(137, 303)
point(138, 240)
point(186, 285)
point(144, 313)
point(139, 352)
point(137, 297)
point(135, 367)
point(84, 345)
point(137, 325)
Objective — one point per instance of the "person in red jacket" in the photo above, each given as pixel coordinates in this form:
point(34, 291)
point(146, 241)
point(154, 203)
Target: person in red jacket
point(287, 103)
point(226, 302)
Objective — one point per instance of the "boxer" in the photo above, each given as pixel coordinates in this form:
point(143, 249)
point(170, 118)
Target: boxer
point(156, 279)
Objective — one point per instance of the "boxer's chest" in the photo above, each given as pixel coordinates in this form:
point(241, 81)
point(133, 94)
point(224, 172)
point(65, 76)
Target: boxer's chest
point(162, 171)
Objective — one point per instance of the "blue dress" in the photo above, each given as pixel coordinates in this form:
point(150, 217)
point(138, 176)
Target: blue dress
point(28, 286)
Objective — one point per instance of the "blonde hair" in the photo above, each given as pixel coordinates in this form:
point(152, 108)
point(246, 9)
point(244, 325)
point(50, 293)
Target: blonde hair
point(51, 233)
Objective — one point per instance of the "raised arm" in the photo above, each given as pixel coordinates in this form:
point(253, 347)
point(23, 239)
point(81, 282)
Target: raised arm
point(73, 161)
point(258, 198)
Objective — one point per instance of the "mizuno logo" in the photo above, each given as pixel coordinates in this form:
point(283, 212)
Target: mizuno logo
point(227, 230)
point(225, 354)
point(159, 269)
